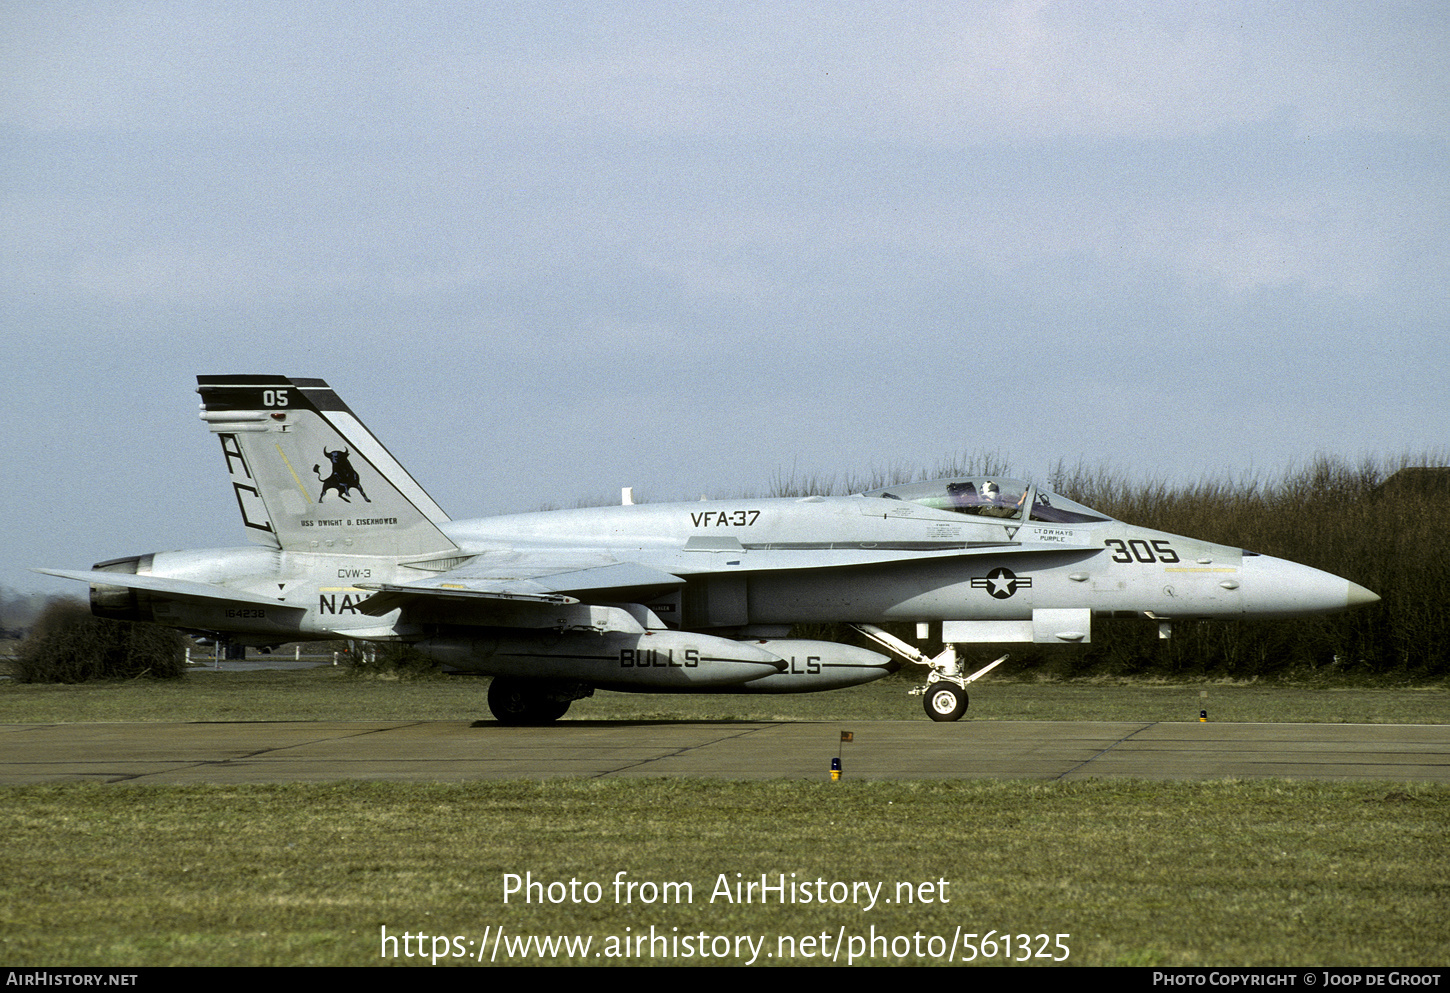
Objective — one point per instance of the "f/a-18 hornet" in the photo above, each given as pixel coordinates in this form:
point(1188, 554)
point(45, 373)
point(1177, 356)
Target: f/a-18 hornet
point(661, 598)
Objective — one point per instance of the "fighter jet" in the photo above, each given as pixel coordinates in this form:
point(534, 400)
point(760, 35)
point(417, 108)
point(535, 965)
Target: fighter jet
point(661, 598)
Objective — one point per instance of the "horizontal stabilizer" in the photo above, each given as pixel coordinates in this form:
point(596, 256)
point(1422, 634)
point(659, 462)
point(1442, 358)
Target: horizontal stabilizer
point(173, 589)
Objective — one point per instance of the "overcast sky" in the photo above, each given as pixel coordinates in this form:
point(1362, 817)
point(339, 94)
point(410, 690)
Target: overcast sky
point(546, 250)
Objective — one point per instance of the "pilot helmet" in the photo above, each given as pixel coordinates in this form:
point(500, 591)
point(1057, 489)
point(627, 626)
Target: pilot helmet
point(989, 490)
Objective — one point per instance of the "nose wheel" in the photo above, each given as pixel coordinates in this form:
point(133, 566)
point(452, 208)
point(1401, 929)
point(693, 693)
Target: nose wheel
point(945, 701)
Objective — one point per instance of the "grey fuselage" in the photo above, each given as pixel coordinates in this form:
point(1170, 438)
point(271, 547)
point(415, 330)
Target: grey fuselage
point(767, 564)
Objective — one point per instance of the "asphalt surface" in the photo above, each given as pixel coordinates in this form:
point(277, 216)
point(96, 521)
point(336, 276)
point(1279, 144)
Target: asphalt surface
point(453, 751)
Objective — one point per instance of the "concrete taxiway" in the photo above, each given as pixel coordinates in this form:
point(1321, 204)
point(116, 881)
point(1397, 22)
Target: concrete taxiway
point(453, 751)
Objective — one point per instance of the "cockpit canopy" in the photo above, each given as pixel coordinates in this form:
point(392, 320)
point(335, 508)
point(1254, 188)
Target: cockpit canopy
point(985, 496)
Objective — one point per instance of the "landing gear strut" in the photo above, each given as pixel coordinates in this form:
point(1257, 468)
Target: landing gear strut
point(945, 692)
point(522, 702)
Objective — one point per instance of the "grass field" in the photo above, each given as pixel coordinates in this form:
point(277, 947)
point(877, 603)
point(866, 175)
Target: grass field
point(1128, 872)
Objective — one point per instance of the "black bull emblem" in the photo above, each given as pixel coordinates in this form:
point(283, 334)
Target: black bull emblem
point(344, 477)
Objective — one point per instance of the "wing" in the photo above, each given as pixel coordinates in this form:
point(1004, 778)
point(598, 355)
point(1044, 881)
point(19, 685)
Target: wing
point(554, 589)
point(519, 582)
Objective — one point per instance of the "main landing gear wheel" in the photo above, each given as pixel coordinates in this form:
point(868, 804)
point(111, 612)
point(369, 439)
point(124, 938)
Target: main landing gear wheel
point(945, 701)
point(523, 702)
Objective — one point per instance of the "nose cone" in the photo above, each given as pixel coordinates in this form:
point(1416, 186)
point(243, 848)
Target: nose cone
point(1280, 588)
point(1361, 597)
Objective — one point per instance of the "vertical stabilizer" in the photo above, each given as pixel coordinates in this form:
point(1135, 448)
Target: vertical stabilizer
point(309, 476)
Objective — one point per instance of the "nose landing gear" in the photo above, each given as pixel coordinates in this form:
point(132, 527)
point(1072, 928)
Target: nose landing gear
point(945, 692)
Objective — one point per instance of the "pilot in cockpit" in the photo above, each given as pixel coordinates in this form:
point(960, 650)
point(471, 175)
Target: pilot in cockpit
point(995, 506)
